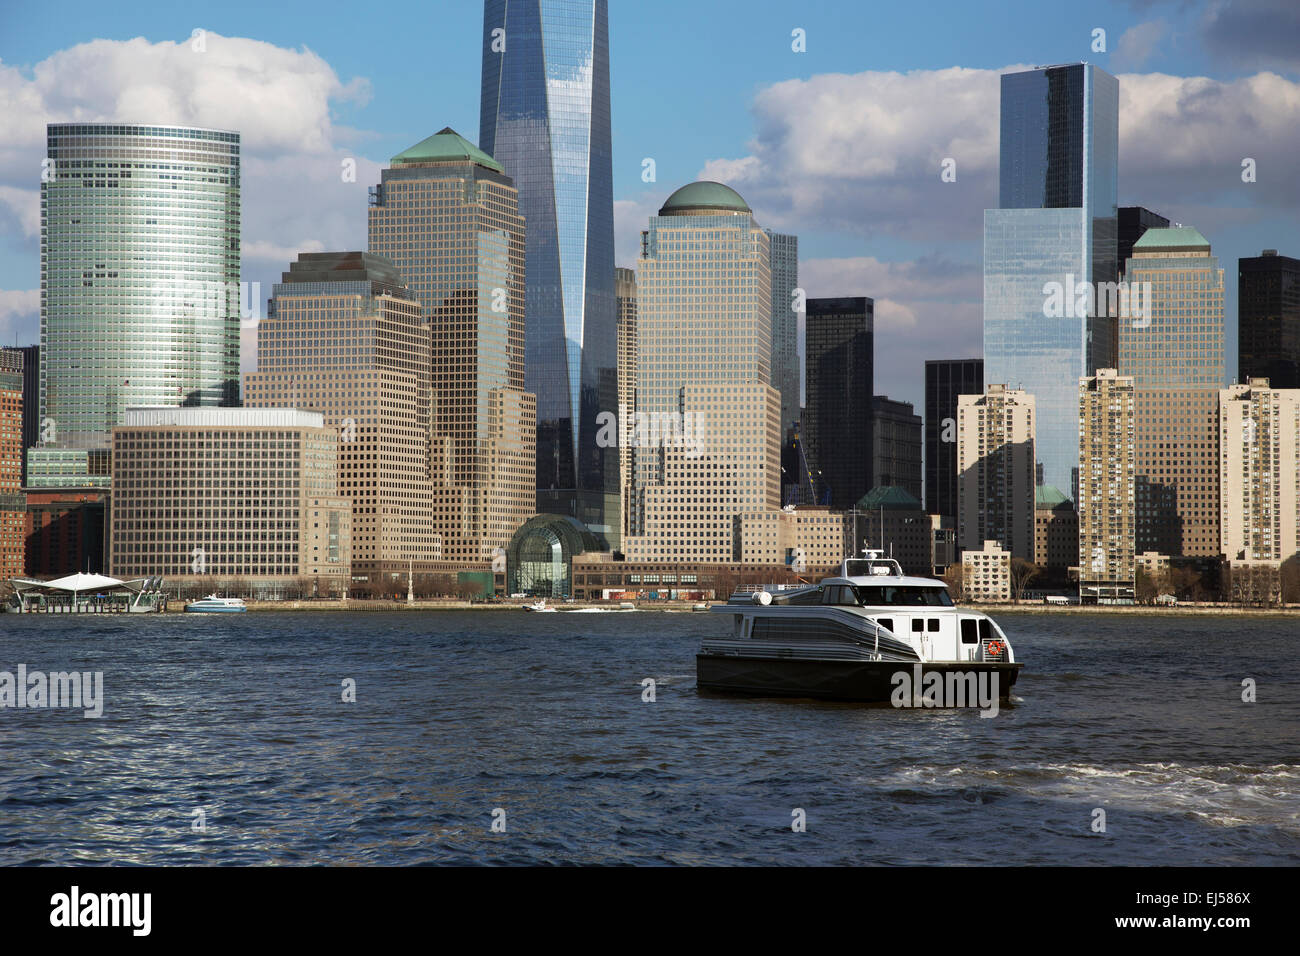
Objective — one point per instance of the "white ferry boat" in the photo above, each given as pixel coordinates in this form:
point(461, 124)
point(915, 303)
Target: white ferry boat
point(847, 638)
point(541, 607)
point(217, 605)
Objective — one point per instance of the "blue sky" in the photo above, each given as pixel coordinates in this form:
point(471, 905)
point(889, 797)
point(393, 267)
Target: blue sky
point(839, 144)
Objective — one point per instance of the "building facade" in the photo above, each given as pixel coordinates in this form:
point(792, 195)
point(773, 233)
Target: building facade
point(544, 115)
point(625, 287)
point(1056, 223)
point(704, 311)
point(13, 504)
point(836, 430)
point(785, 326)
point(1259, 471)
point(230, 495)
point(140, 299)
point(896, 446)
point(448, 218)
point(995, 470)
point(1268, 319)
point(64, 531)
point(986, 574)
point(1107, 485)
point(1133, 222)
point(30, 358)
point(945, 380)
point(795, 538)
point(1056, 530)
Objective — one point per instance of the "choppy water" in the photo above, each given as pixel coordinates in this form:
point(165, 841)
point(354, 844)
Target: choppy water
point(458, 713)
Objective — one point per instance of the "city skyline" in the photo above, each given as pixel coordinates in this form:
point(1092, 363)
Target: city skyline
point(925, 279)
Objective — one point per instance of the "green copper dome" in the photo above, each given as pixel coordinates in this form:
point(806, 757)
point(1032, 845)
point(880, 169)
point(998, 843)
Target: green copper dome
point(703, 198)
point(446, 146)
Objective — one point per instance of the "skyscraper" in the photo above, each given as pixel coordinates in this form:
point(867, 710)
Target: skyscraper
point(30, 358)
point(1134, 221)
point(896, 446)
point(344, 338)
point(711, 446)
point(1268, 319)
point(1056, 224)
point(1259, 471)
point(840, 335)
point(945, 380)
point(625, 286)
point(785, 325)
point(140, 299)
point(447, 216)
point(995, 462)
point(13, 506)
point(544, 115)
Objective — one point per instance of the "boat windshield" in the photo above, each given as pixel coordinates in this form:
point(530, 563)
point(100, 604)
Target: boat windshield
point(889, 595)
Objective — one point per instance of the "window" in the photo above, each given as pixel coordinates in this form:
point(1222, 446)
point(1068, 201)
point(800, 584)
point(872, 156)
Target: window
point(932, 624)
point(969, 633)
point(918, 625)
point(886, 622)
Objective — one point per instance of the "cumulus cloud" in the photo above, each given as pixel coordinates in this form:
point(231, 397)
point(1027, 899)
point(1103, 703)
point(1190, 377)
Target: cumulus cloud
point(20, 316)
point(1139, 43)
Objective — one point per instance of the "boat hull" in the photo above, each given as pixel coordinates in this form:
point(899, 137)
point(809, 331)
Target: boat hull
point(864, 681)
point(215, 610)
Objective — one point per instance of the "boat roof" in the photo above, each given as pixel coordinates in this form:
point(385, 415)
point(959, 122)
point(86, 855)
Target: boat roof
point(882, 580)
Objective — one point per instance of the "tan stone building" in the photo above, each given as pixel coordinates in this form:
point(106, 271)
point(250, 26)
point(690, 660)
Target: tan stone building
point(448, 217)
point(1056, 529)
point(1177, 471)
point(1259, 471)
point(1107, 485)
point(986, 573)
point(996, 470)
point(625, 293)
point(704, 315)
point(797, 538)
point(242, 498)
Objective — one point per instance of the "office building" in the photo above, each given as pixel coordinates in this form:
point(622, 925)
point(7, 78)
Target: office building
point(64, 531)
point(244, 498)
point(1107, 486)
point(1177, 485)
point(1133, 222)
point(995, 470)
point(140, 300)
point(785, 326)
point(704, 312)
point(798, 538)
point(836, 430)
point(13, 505)
point(945, 380)
point(344, 338)
point(544, 116)
point(1259, 471)
point(625, 288)
point(1056, 531)
point(1056, 224)
point(447, 217)
point(1268, 319)
point(30, 356)
point(896, 446)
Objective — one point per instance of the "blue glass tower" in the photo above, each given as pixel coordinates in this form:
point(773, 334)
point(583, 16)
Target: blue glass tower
point(544, 115)
point(1056, 224)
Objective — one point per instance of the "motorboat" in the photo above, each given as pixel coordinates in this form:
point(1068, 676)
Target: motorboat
point(870, 634)
point(540, 606)
point(217, 605)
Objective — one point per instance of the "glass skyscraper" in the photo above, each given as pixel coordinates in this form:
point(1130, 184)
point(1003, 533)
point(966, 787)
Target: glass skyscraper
point(785, 326)
point(1056, 223)
point(140, 295)
point(544, 115)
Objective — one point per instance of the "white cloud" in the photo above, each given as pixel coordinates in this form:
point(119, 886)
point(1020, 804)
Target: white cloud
point(20, 316)
point(1139, 43)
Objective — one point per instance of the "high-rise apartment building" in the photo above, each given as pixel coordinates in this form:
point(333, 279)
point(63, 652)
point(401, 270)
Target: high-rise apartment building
point(995, 470)
point(896, 446)
point(1107, 485)
point(1259, 471)
point(140, 300)
point(945, 381)
point(30, 357)
point(13, 505)
point(704, 312)
point(344, 338)
point(544, 115)
point(230, 495)
point(785, 326)
point(448, 218)
point(1268, 319)
point(625, 289)
point(1056, 223)
point(837, 422)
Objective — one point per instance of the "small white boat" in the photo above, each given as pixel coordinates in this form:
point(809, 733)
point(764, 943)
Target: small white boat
point(217, 605)
point(541, 607)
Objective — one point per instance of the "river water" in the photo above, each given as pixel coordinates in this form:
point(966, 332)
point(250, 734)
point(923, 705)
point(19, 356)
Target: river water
point(225, 739)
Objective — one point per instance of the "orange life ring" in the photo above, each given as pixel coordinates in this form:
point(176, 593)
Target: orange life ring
point(993, 647)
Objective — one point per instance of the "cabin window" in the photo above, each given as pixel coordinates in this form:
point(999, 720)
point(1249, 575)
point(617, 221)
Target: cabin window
point(831, 596)
point(986, 629)
point(886, 622)
point(918, 625)
point(848, 597)
point(969, 635)
point(932, 624)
